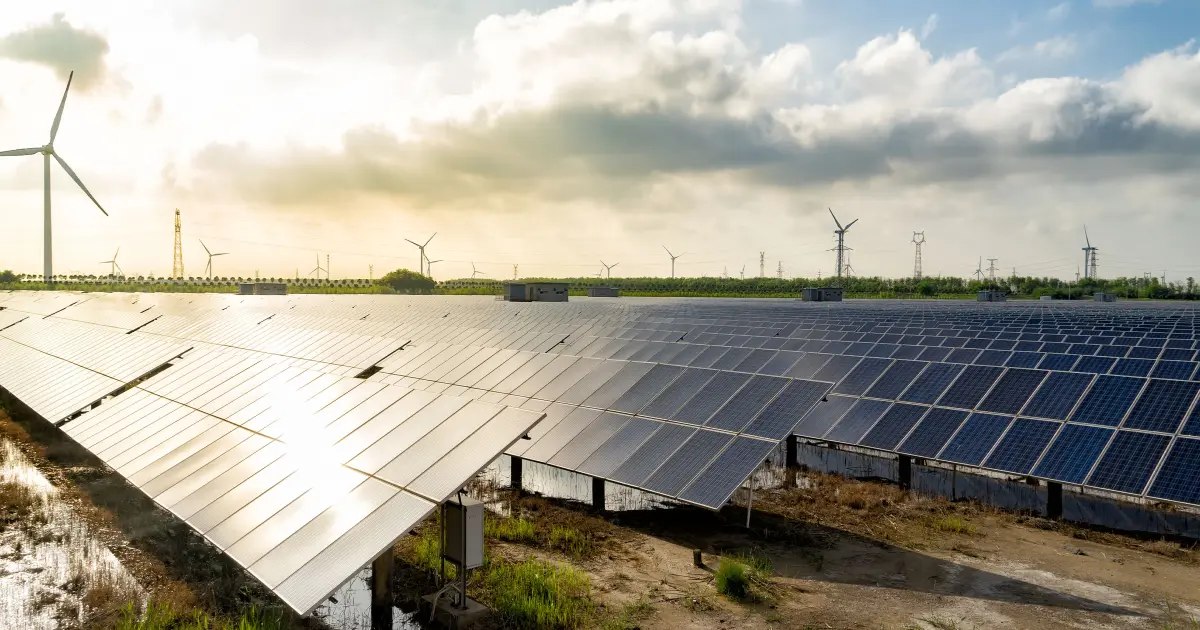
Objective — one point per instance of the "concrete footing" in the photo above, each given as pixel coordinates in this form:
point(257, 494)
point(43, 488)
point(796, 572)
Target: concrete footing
point(447, 615)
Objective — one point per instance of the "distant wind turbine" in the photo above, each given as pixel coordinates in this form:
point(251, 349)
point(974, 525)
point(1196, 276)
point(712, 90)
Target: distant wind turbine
point(673, 257)
point(608, 268)
point(841, 241)
point(429, 266)
point(318, 269)
point(743, 272)
point(47, 152)
point(421, 260)
point(474, 271)
point(209, 267)
point(115, 267)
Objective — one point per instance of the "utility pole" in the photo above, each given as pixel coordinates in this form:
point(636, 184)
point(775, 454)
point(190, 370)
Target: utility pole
point(762, 264)
point(177, 266)
point(992, 269)
point(514, 271)
point(371, 272)
point(326, 267)
point(918, 240)
point(779, 270)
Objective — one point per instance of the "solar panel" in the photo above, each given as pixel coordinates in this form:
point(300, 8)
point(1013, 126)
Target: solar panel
point(711, 396)
point(893, 426)
point(781, 415)
point(932, 432)
point(1108, 400)
point(976, 438)
point(1012, 391)
point(1129, 461)
point(685, 464)
point(1177, 480)
point(717, 482)
point(746, 403)
point(646, 388)
point(857, 421)
point(862, 376)
point(652, 453)
point(1162, 406)
point(1058, 395)
point(1073, 453)
point(1021, 446)
point(970, 386)
point(818, 421)
point(928, 387)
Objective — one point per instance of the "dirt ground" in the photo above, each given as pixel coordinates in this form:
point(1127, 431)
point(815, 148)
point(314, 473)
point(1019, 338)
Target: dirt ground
point(849, 554)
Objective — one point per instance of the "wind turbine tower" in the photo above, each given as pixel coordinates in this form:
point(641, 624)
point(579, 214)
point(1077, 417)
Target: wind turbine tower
point(421, 260)
point(918, 240)
point(209, 267)
point(316, 270)
point(114, 268)
point(1089, 256)
point(673, 257)
point(47, 152)
point(608, 268)
point(177, 265)
point(841, 241)
point(979, 270)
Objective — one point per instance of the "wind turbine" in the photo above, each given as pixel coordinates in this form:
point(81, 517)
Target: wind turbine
point(673, 257)
point(743, 272)
point(474, 271)
point(422, 259)
point(318, 268)
point(48, 152)
point(841, 241)
point(1089, 256)
point(429, 266)
point(979, 270)
point(208, 267)
point(113, 269)
point(608, 268)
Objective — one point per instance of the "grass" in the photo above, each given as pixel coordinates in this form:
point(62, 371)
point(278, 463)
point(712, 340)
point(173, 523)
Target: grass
point(571, 541)
point(516, 530)
point(737, 576)
point(563, 538)
point(954, 524)
point(17, 505)
point(162, 616)
point(629, 616)
point(539, 595)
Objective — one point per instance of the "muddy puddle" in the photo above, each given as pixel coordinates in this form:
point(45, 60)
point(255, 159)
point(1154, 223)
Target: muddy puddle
point(50, 565)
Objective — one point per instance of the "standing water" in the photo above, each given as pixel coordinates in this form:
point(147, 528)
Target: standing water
point(51, 568)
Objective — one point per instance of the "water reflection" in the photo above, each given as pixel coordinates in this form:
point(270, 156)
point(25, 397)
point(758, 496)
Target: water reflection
point(49, 562)
point(353, 608)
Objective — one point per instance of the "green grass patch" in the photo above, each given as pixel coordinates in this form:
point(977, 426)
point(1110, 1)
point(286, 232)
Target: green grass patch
point(161, 616)
point(732, 579)
point(517, 530)
point(539, 595)
point(571, 541)
point(954, 524)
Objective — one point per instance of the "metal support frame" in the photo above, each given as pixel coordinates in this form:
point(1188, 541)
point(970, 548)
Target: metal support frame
point(750, 498)
point(1054, 500)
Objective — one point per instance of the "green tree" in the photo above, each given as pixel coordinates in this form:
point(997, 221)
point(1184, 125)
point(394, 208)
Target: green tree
point(405, 281)
point(7, 276)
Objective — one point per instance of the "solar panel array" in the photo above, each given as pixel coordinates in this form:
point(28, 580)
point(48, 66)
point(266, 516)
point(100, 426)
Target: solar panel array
point(682, 398)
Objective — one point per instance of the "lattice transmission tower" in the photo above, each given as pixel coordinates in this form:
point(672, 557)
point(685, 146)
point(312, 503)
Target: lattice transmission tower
point(762, 264)
point(918, 240)
point(177, 266)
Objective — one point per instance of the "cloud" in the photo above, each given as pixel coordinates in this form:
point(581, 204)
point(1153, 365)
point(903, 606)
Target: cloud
point(62, 47)
point(1114, 4)
point(605, 101)
point(931, 24)
point(1059, 12)
point(1058, 47)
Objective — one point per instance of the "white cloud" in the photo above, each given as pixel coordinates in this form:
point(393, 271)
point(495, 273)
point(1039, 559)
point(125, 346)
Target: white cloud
point(1058, 47)
point(931, 24)
point(619, 119)
point(1059, 12)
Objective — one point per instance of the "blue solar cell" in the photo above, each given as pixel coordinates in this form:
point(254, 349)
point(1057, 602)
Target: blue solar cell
point(970, 387)
point(1084, 349)
point(1108, 400)
point(977, 343)
point(993, 357)
point(652, 453)
point(893, 426)
point(1094, 365)
point(824, 415)
point(1057, 395)
point(1178, 354)
point(646, 388)
point(716, 483)
point(882, 350)
point(710, 398)
point(678, 393)
point(1142, 352)
point(1112, 351)
point(975, 439)
point(1073, 453)
point(614, 451)
point(1132, 367)
point(861, 417)
point(896, 379)
point(963, 355)
point(1129, 461)
point(746, 403)
point(933, 353)
point(1058, 362)
point(862, 376)
point(837, 368)
point(780, 363)
point(1162, 405)
point(1028, 346)
point(1177, 479)
point(1182, 370)
point(1012, 391)
point(932, 432)
point(1055, 348)
point(1002, 344)
point(931, 383)
point(908, 352)
point(781, 415)
point(808, 365)
point(1025, 359)
point(687, 461)
point(1020, 448)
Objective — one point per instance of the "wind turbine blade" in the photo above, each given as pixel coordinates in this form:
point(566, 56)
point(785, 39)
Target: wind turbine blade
point(614, 265)
point(221, 254)
point(205, 248)
point(61, 105)
point(847, 228)
point(63, 163)
point(31, 151)
point(413, 242)
point(117, 254)
point(668, 251)
point(834, 218)
point(430, 239)
point(1085, 236)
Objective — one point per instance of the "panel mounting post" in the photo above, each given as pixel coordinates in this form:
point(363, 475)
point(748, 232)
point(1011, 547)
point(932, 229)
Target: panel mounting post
point(1054, 500)
point(598, 494)
point(514, 470)
point(905, 472)
point(381, 591)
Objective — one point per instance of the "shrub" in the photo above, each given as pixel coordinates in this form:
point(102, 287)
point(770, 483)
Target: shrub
point(732, 580)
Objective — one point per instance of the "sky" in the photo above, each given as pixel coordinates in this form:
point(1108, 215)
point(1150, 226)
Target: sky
point(552, 136)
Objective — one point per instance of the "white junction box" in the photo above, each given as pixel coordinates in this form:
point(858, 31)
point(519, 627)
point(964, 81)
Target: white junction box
point(468, 518)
